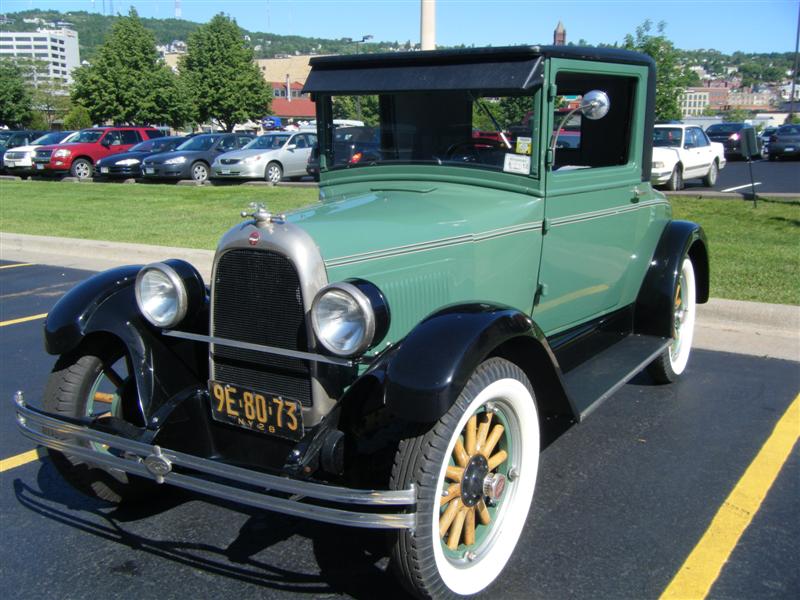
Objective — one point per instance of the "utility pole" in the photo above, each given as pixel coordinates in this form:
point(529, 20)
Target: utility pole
point(794, 72)
point(427, 22)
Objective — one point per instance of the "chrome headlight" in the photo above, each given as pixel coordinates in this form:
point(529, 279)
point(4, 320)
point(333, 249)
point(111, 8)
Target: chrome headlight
point(61, 153)
point(253, 159)
point(167, 291)
point(349, 317)
point(178, 160)
point(128, 162)
point(657, 164)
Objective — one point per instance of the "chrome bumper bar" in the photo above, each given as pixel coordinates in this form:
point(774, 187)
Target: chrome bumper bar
point(152, 462)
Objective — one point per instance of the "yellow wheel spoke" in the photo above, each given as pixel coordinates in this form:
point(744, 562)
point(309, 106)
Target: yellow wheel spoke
point(448, 516)
point(483, 429)
point(454, 473)
point(455, 529)
point(461, 456)
point(483, 513)
point(471, 433)
point(494, 437)
point(497, 460)
point(454, 491)
point(469, 527)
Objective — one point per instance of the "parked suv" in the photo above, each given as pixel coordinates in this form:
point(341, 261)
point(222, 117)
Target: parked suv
point(395, 355)
point(79, 155)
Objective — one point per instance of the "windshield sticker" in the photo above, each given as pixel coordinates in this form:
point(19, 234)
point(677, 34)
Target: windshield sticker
point(517, 163)
point(523, 145)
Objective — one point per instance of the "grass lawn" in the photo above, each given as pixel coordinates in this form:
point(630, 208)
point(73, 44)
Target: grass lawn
point(755, 253)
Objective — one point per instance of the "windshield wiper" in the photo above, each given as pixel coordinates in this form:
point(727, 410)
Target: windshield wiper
point(491, 117)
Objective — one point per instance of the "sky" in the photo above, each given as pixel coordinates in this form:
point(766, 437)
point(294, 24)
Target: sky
point(724, 25)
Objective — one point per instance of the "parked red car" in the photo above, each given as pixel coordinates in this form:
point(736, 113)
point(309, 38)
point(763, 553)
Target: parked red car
point(79, 156)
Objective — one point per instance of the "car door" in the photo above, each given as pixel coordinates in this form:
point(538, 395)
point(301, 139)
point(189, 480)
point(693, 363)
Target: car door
point(691, 154)
point(296, 151)
point(594, 221)
point(705, 153)
point(128, 139)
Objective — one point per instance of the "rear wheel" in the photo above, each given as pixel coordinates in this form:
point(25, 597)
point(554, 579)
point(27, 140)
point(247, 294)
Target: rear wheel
point(81, 168)
point(95, 381)
point(711, 178)
point(672, 362)
point(474, 472)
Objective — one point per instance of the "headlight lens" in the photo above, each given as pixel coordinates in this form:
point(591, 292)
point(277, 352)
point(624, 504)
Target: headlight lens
point(178, 160)
point(161, 295)
point(128, 162)
point(658, 164)
point(61, 153)
point(253, 159)
point(343, 319)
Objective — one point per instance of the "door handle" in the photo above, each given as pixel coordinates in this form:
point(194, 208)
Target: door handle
point(636, 194)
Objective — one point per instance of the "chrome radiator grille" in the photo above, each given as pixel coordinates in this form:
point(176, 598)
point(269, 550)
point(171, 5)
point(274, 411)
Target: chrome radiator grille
point(257, 299)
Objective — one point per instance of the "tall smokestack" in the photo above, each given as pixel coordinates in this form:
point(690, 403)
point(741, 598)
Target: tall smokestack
point(428, 24)
point(177, 9)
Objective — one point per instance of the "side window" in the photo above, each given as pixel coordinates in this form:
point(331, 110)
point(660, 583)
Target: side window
point(312, 139)
point(700, 138)
point(112, 138)
point(300, 140)
point(228, 144)
point(243, 140)
point(583, 143)
point(130, 137)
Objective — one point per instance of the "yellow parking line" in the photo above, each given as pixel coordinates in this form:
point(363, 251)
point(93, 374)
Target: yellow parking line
point(7, 464)
point(17, 265)
point(22, 320)
point(702, 567)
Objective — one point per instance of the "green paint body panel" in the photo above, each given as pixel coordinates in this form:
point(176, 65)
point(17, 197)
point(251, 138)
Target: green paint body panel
point(429, 235)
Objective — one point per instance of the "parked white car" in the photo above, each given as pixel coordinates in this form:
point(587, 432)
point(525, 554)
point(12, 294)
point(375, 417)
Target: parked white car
point(271, 157)
point(682, 152)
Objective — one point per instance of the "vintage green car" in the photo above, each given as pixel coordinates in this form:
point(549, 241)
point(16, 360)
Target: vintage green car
point(395, 355)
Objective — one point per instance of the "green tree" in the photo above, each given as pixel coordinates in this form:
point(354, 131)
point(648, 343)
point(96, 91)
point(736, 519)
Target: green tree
point(15, 97)
point(360, 108)
point(77, 118)
point(225, 84)
point(127, 82)
point(670, 77)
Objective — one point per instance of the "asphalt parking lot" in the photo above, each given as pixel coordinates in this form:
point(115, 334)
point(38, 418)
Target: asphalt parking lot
point(779, 177)
point(622, 500)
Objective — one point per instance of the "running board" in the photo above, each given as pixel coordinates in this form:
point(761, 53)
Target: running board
point(593, 381)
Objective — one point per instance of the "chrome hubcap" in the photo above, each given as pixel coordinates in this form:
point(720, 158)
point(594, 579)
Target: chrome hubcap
point(679, 317)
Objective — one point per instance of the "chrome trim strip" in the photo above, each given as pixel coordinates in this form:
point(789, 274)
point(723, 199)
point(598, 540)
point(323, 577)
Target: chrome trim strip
point(607, 212)
point(210, 339)
point(433, 244)
point(133, 455)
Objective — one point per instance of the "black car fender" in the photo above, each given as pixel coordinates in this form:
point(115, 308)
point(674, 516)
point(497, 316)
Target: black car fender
point(653, 311)
point(421, 376)
point(106, 304)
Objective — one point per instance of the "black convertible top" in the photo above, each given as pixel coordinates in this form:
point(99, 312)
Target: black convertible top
point(509, 68)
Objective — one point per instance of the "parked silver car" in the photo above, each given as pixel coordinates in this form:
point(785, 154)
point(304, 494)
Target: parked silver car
point(271, 157)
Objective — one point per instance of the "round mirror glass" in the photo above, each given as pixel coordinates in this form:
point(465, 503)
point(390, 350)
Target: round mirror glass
point(595, 105)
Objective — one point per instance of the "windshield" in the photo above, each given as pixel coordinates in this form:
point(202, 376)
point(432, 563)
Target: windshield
point(199, 143)
point(87, 136)
point(51, 138)
point(147, 146)
point(669, 137)
point(725, 128)
point(5, 136)
point(789, 130)
point(461, 128)
point(271, 141)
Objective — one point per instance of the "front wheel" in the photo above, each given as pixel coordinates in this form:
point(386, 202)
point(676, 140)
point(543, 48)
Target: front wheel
point(672, 362)
point(81, 168)
point(711, 178)
point(273, 173)
point(199, 172)
point(474, 472)
point(676, 179)
point(96, 382)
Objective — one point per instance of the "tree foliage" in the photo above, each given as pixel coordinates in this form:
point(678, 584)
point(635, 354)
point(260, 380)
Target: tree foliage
point(127, 83)
point(221, 76)
point(77, 118)
point(360, 108)
point(15, 97)
point(670, 76)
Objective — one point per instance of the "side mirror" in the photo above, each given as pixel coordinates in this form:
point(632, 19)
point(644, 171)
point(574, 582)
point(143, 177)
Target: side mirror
point(291, 146)
point(595, 105)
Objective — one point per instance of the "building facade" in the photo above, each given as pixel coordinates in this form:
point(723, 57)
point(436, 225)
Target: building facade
point(694, 101)
point(56, 50)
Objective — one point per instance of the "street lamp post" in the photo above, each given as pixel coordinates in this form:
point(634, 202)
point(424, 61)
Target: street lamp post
point(364, 38)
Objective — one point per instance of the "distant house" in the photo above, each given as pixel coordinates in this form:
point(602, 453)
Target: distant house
point(289, 102)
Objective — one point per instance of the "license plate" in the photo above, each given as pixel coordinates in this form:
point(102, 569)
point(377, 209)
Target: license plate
point(10, 163)
point(104, 169)
point(225, 171)
point(256, 411)
point(149, 170)
point(40, 167)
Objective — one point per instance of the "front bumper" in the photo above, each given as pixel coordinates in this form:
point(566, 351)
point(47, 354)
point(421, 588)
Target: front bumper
point(162, 171)
point(239, 170)
point(112, 171)
point(660, 176)
point(784, 149)
point(388, 509)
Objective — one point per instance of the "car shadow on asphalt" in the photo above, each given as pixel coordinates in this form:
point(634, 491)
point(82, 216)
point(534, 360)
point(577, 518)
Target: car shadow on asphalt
point(352, 562)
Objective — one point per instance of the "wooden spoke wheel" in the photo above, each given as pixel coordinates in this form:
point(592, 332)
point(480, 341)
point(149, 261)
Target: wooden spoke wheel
point(475, 472)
